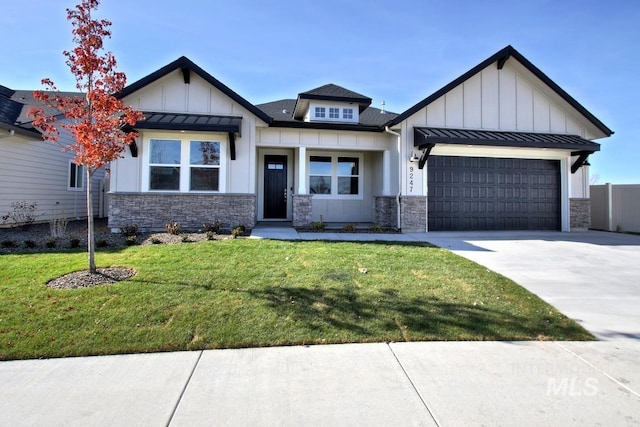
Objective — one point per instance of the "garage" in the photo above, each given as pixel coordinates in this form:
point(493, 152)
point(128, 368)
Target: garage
point(484, 193)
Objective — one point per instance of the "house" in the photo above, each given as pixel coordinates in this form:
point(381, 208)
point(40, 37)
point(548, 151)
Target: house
point(501, 147)
point(36, 171)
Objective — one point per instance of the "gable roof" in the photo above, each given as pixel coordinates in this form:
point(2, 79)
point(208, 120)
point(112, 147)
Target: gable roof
point(186, 66)
point(13, 113)
point(329, 92)
point(501, 57)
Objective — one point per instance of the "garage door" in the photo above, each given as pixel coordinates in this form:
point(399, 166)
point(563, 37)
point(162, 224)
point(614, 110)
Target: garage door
point(479, 193)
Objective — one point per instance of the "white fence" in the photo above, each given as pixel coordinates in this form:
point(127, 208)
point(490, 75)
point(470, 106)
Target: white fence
point(615, 207)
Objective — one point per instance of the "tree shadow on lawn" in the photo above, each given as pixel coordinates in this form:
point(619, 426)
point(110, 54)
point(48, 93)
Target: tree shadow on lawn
point(388, 313)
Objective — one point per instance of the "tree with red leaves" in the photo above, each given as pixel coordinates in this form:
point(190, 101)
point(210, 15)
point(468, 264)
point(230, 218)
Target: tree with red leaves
point(96, 119)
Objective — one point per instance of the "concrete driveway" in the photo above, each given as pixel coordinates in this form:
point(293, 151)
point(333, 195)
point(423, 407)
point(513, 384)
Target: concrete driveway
point(593, 277)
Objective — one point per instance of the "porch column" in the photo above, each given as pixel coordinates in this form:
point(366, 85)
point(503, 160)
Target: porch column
point(386, 173)
point(302, 170)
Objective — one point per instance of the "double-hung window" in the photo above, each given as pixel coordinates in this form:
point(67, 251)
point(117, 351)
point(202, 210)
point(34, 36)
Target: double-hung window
point(76, 176)
point(335, 176)
point(185, 165)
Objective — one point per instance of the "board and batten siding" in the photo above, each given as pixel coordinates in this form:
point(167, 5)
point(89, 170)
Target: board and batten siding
point(171, 94)
point(38, 171)
point(510, 99)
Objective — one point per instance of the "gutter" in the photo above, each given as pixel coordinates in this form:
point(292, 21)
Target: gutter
point(389, 131)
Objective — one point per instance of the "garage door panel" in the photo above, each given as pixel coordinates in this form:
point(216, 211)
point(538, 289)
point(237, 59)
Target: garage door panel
point(483, 193)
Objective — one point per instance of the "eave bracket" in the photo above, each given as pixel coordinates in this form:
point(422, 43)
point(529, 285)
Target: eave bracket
point(580, 161)
point(426, 150)
point(232, 145)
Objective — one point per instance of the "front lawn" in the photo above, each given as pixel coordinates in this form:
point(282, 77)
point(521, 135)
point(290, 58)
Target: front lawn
point(246, 293)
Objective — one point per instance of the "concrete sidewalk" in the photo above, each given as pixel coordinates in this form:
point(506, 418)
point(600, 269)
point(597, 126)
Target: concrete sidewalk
point(429, 383)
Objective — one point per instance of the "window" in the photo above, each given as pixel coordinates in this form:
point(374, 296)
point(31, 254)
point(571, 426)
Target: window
point(164, 164)
point(347, 113)
point(334, 113)
point(185, 165)
point(335, 175)
point(205, 165)
point(348, 175)
point(320, 111)
point(76, 176)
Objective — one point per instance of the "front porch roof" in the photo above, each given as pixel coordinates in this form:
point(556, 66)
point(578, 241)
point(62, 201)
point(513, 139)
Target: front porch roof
point(424, 137)
point(190, 122)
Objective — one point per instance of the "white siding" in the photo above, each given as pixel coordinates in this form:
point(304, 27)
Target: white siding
point(37, 171)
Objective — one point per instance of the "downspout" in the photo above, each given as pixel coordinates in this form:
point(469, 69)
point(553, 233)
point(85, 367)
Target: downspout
point(388, 130)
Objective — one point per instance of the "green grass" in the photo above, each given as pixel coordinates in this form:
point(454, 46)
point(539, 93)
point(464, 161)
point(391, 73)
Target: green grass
point(244, 293)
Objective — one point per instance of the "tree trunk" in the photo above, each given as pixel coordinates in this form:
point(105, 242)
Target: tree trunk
point(91, 247)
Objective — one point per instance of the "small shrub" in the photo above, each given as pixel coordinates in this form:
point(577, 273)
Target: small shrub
point(173, 227)
point(318, 225)
point(58, 224)
point(349, 228)
point(29, 244)
point(102, 243)
point(185, 239)
point(129, 230)
point(130, 240)
point(211, 235)
point(23, 214)
point(213, 228)
point(74, 243)
point(376, 228)
point(8, 244)
point(238, 231)
point(156, 241)
point(51, 243)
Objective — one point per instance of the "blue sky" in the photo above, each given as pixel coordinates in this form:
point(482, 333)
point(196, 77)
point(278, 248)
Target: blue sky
point(397, 51)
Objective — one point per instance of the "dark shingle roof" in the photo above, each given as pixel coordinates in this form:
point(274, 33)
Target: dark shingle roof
point(13, 112)
point(334, 92)
point(282, 113)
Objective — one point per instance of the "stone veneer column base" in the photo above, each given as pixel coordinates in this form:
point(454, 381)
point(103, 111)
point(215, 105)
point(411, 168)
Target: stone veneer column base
point(302, 210)
point(413, 213)
point(152, 211)
point(386, 211)
point(579, 214)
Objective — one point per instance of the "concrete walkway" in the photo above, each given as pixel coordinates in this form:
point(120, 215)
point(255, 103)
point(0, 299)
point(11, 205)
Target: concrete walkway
point(397, 384)
point(394, 384)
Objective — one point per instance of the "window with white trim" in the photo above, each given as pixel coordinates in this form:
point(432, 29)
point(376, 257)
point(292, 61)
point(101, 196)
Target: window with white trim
point(347, 113)
point(336, 176)
point(320, 112)
point(76, 176)
point(185, 165)
point(334, 113)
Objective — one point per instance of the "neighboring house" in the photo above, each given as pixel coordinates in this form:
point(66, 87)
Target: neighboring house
point(500, 148)
point(36, 171)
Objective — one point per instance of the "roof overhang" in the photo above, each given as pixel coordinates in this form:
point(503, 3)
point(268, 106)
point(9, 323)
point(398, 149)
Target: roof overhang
point(426, 136)
point(190, 122)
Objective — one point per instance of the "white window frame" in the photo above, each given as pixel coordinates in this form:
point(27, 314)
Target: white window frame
point(185, 161)
point(347, 113)
point(72, 167)
point(334, 175)
point(320, 112)
point(334, 113)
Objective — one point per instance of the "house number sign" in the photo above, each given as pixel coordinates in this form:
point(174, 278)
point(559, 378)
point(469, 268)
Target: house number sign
point(412, 175)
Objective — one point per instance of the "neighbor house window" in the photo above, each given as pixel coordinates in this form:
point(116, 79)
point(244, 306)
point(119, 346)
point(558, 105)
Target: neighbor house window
point(76, 175)
point(347, 113)
point(334, 113)
point(334, 175)
point(164, 164)
point(185, 165)
point(320, 112)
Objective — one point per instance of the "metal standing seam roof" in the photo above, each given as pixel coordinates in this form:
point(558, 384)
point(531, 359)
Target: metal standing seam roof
point(425, 136)
point(191, 122)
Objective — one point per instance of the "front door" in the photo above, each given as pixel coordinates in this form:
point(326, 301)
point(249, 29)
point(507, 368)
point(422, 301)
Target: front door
point(275, 187)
